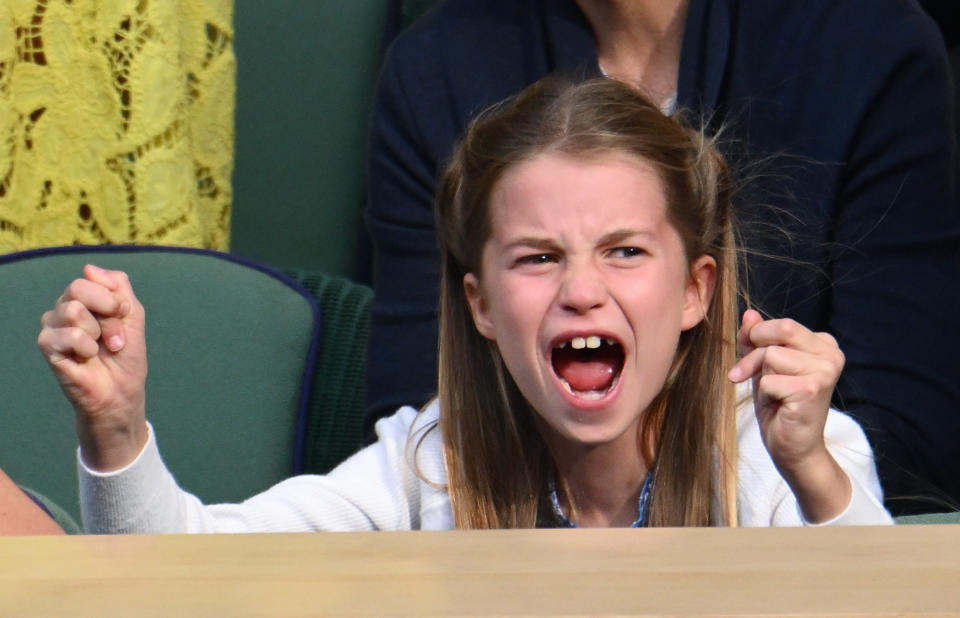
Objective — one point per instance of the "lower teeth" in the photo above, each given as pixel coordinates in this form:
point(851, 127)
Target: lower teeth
point(588, 395)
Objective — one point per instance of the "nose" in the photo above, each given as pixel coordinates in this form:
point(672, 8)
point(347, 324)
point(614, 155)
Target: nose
point(581, 289)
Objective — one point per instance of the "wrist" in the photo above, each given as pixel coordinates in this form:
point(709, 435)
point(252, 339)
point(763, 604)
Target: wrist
point(108, 444)
point(822, 488)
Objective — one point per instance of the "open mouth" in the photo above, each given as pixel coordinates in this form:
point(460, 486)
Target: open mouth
point(588, 367)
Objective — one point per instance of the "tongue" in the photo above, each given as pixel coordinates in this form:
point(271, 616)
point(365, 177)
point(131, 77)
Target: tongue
point(593, 372)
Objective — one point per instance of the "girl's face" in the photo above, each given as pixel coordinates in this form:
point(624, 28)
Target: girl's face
point(585, 288)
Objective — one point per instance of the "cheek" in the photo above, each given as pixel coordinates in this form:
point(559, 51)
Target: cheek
point(654, 306)
point(516, 314)
point(512, 314)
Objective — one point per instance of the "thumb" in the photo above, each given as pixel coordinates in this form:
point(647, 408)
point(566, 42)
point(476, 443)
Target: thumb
point(112, 334)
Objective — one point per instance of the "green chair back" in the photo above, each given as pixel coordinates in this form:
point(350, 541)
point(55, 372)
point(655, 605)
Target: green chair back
point(231, 353)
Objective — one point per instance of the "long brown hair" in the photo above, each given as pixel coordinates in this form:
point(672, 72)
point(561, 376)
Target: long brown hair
point(497, 460)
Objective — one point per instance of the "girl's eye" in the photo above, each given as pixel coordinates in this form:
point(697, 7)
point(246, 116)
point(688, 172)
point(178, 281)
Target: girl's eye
point(626, 252)
point(536, 259)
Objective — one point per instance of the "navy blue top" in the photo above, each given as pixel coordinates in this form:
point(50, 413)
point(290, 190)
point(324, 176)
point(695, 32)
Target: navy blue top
point(849, 104)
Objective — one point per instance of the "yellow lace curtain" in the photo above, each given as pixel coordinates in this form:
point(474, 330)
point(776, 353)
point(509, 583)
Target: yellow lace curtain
point(116, 122)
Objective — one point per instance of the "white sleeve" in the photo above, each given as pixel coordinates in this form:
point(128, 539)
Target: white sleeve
point(375, 489)
point(848, 445)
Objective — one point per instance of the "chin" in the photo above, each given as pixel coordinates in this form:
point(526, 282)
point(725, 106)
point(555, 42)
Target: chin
point(578, 428)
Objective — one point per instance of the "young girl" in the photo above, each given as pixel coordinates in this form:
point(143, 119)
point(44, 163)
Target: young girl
point(588, 371)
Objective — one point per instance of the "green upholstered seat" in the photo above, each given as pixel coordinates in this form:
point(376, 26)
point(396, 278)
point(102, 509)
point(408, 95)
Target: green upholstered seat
point(231, 350)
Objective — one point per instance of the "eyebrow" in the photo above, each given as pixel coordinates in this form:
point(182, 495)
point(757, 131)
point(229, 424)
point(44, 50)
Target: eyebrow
point(621, 235)
point(535, 242)
point(611, 238)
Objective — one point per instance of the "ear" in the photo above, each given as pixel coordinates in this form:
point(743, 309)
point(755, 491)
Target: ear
point(478, 305)
point(699, 292)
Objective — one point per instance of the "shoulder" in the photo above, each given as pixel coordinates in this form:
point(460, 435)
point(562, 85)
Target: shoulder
point(858, 38)
point(855, 35)
point(477, 52)
point(414, 436)
point(455, 60)
point(830, 81)
point(852, 16)
point(407, 422)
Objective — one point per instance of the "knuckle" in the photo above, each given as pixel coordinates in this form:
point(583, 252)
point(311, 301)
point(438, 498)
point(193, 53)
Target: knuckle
point(829, 339)
point(73, 310)
point(833, 362)
point(790, 328)
point(772, 354)
point(75, 335)
point(75, 288)
point(763, 384)
point(809, 386)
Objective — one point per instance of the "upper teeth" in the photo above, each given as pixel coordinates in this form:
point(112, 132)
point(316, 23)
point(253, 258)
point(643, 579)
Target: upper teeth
point(593, 342)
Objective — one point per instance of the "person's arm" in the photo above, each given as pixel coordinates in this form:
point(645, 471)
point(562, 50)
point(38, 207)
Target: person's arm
point(19, 514)
point(765, 498)
point(375, 489)
point(93, 340)
point(793, 372)
point(823, 470)
point(896, 259)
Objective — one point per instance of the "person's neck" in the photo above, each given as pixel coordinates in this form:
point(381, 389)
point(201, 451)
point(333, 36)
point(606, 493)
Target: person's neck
point(600, 487)
point(639, 41)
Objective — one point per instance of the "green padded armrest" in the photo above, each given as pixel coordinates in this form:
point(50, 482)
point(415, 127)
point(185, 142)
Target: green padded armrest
point(334, 426)
point(930, 518)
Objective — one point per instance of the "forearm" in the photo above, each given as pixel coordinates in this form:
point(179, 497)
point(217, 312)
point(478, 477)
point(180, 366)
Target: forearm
point(141, 497)
point(850, 451)
point(821, 487)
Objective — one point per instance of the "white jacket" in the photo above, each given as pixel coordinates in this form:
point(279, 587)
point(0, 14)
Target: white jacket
point(379, 488)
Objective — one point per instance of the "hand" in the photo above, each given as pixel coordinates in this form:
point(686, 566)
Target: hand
point(94, 341)
point(794, 372)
